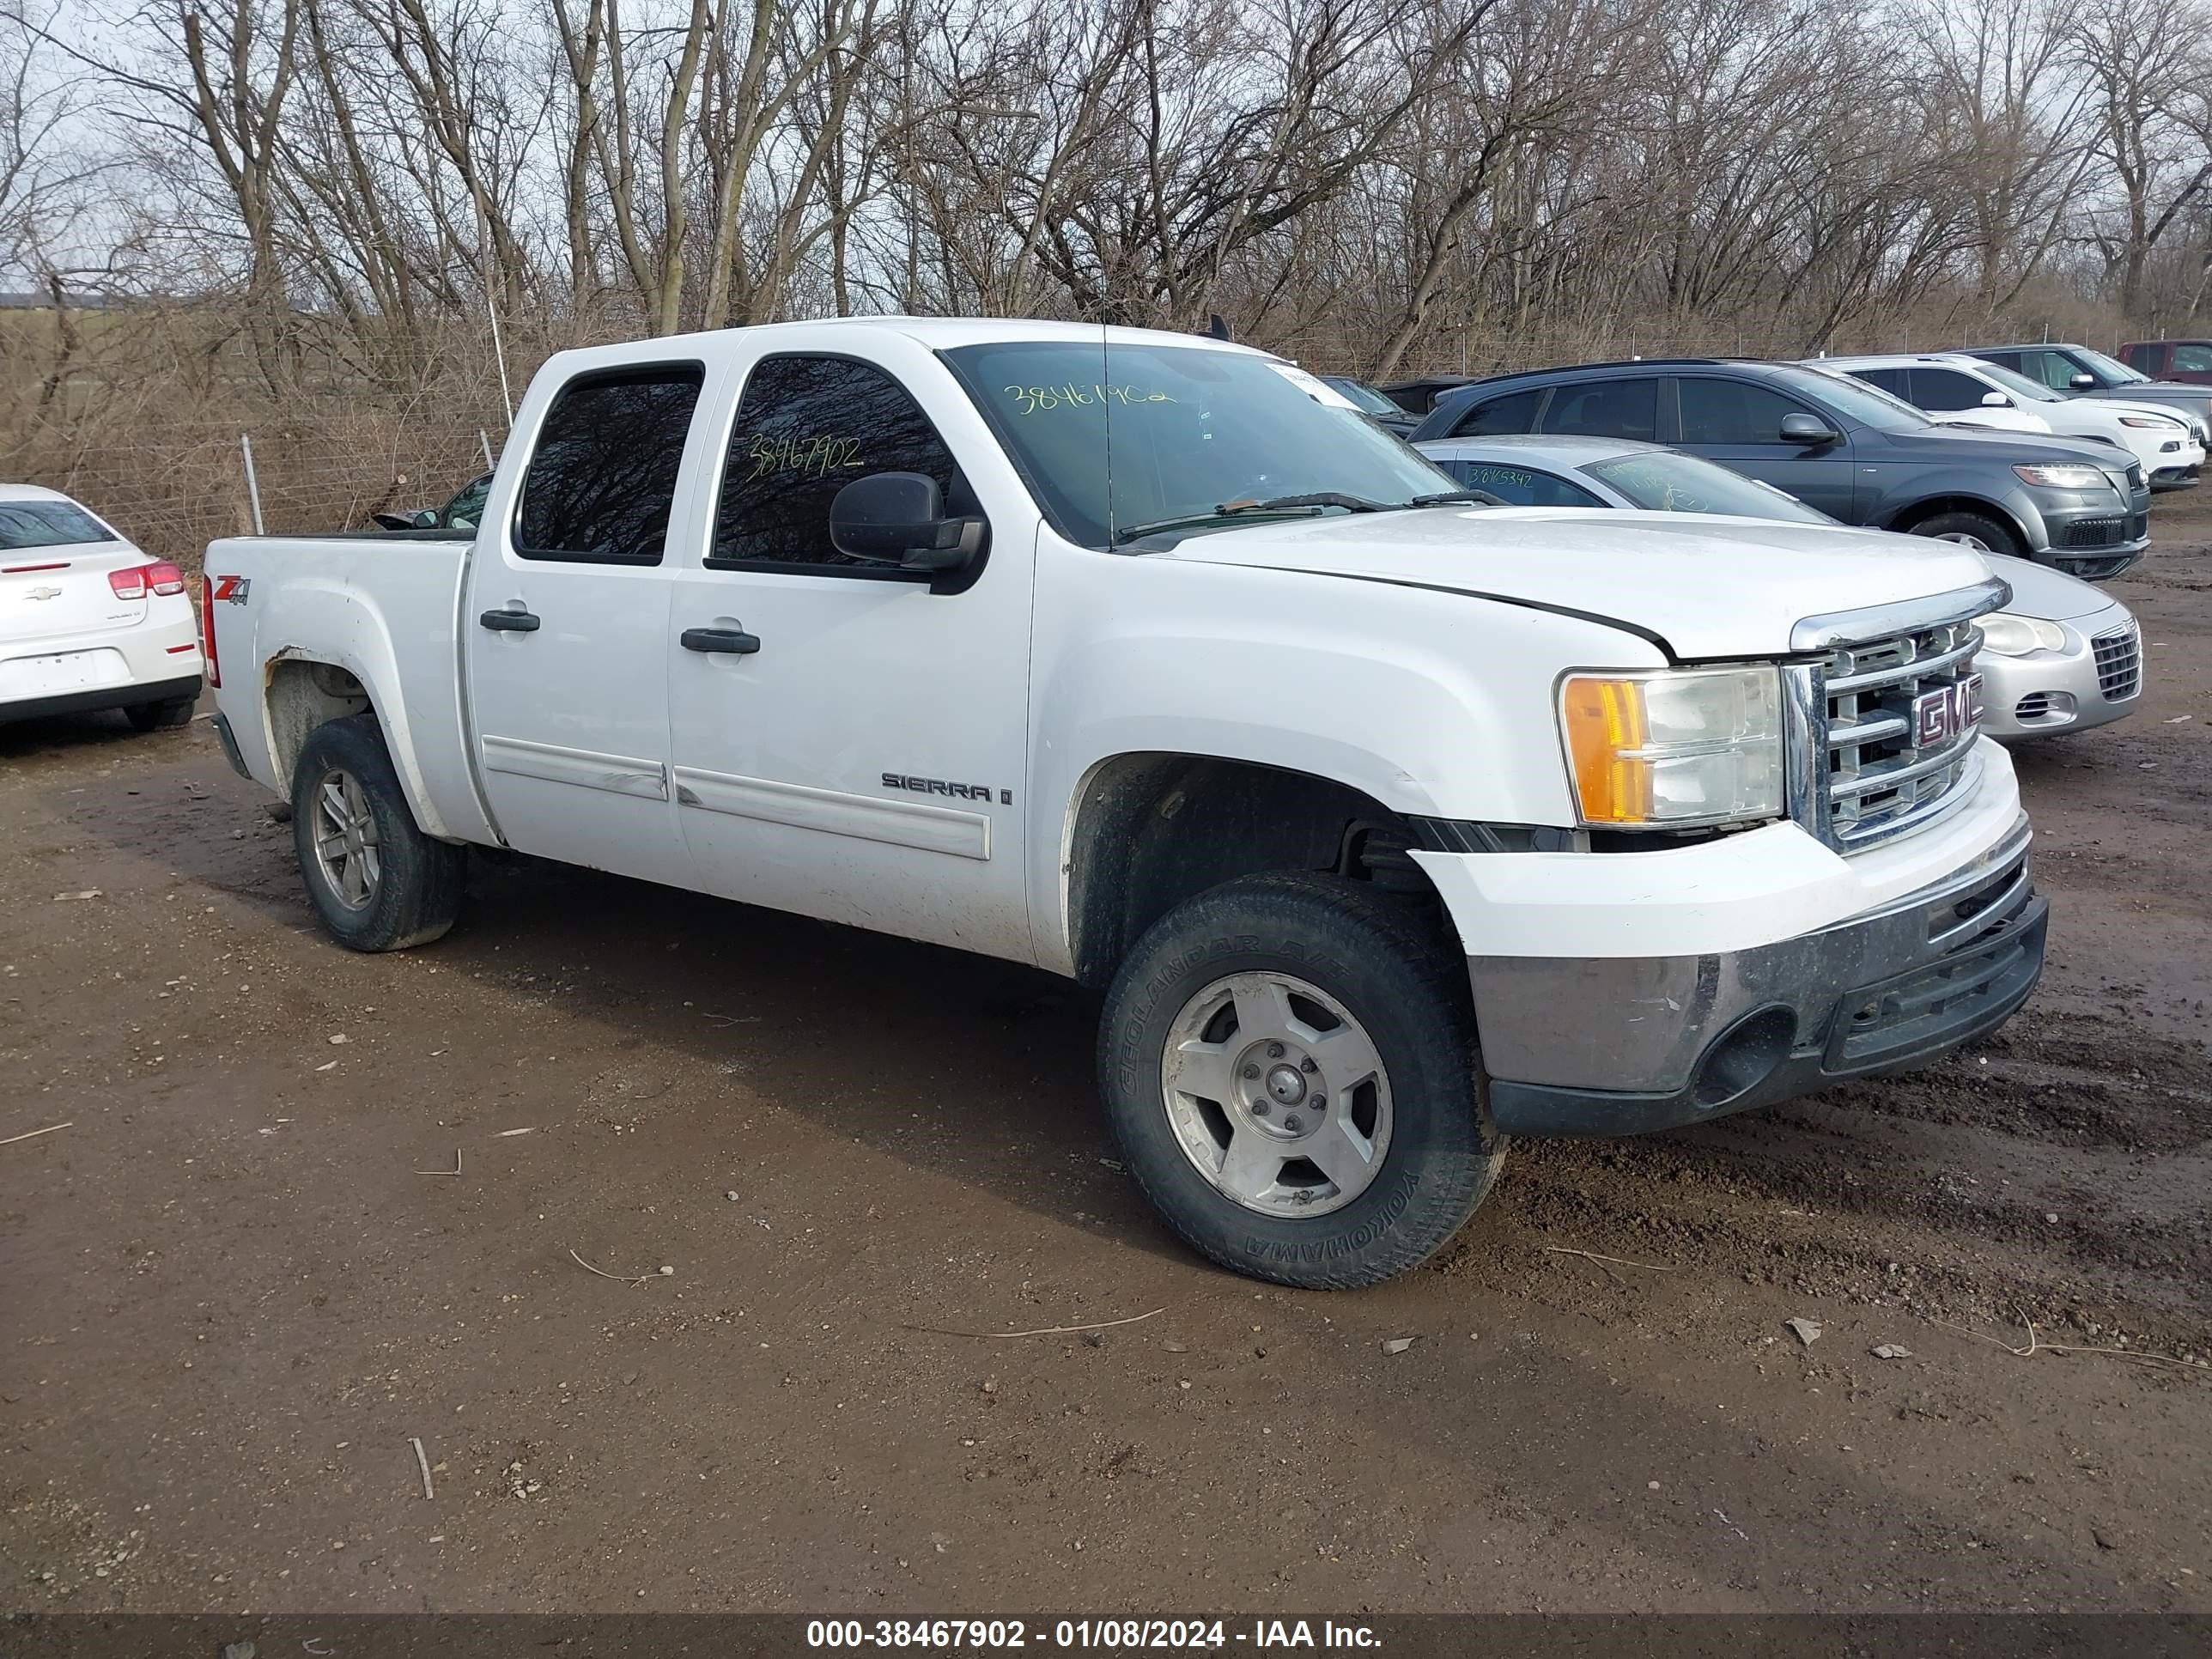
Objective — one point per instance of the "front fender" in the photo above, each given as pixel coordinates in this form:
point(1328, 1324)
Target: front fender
point(1434, 705)
point(1970, 487)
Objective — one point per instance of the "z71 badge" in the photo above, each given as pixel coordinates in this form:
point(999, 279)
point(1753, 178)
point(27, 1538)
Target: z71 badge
point(938, 787)
point(230, 589)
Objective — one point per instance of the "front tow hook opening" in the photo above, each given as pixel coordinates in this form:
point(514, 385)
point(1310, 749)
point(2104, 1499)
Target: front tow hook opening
point(1744, 1056)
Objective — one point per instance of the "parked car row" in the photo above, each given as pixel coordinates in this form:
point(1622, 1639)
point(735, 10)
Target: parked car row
point(1955, 388)
point(1859, 455)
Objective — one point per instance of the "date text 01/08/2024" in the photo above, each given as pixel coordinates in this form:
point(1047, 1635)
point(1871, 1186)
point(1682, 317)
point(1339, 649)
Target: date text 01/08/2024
point(1113, 1633)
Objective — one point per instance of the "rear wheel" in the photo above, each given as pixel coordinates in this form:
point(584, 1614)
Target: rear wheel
point(1289, 1063)
point(161, 716)
point(1975, 529)
point(376, 880)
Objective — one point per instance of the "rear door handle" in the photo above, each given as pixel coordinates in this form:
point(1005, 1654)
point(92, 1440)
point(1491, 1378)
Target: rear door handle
point(509, 622)
point(733, 640)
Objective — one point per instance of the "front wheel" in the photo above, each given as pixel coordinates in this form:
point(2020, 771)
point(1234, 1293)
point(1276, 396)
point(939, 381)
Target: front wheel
point(1289, 1064)
point(1975, 529)
point(376, 880)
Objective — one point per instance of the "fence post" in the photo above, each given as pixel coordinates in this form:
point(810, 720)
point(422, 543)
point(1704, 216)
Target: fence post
point(252, 484)
point(484, 438)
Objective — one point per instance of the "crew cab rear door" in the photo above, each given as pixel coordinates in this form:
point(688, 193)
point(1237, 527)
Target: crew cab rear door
point(848, 744)
point(567, 622)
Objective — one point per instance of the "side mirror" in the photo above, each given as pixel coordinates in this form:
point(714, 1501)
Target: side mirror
point(1808, 429)
point(898, 517)
point(2083, 382)
point(427, 519)
point(1995, 400)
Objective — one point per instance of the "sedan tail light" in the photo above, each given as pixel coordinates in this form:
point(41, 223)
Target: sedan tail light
point(160, 578)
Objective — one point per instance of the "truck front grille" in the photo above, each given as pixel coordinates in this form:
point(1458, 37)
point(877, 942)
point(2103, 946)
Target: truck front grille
point(1881, 779)
point(2119, 662)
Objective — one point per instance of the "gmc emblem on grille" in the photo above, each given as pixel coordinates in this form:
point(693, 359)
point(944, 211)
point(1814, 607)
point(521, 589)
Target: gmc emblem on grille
point(1948, 713)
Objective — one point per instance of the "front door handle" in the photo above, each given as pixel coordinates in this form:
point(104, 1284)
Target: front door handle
point(733, 640)
point(509, 622)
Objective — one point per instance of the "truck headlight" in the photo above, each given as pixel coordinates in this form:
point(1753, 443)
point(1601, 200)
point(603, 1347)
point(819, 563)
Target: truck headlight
point(1674, 748)
point(2015, 636)
point(2062, 475)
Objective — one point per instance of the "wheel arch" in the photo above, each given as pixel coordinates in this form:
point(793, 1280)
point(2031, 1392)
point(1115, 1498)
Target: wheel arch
point(302, 691)
point(1920, 512)
point(1150, 828)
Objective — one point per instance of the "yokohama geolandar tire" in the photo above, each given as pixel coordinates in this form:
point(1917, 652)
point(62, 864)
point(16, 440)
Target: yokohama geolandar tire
point(1289, 1063)
point(376, 880)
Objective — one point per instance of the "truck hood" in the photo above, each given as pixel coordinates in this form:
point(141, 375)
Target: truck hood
point(1708, 587)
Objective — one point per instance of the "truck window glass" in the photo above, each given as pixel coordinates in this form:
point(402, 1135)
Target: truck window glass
point(807, 427)
point(1185, 429)
point(1732, 412)
point(1945, 391)
point(1521, 486)
point(2191, 359)
point(1606, 409)
point(1501, 417)
point(602, 481)
point(2055, 369)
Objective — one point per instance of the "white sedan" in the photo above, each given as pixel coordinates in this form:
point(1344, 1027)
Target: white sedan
point(88, 621)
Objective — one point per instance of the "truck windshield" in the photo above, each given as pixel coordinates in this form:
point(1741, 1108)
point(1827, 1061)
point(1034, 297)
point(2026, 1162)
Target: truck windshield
point(2109, 369)
point(1184, 429)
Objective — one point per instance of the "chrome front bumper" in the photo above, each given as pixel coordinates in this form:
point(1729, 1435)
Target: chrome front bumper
point(1590, 1047)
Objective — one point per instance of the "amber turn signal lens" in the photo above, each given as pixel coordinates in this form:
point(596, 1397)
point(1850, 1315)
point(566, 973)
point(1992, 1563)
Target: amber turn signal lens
point(1605, 734)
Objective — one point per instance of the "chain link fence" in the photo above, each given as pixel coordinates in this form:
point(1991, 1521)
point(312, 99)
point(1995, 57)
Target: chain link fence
point(174, 487)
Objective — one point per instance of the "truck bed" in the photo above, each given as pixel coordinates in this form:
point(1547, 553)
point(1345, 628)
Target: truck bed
point(384, 607)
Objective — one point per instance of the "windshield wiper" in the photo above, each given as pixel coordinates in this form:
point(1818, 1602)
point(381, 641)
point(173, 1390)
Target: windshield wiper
point(1314, 503)
point(1318, 498)
point(1460, 497)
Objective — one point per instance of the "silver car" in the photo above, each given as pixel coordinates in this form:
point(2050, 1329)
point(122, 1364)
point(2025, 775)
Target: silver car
point(2062, 656)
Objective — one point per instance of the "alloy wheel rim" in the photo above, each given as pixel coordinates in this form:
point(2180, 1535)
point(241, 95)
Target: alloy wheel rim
point(1277, 1094)
point(346, 846)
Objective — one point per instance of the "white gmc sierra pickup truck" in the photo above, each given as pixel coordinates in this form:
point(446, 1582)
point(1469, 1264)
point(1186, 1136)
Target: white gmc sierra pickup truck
point(1389, 824)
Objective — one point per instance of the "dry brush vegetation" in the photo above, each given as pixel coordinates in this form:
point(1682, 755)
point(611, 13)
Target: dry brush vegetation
point(300, 218)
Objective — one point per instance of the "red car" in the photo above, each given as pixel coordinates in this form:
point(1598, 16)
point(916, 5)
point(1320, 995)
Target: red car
point(2171, 360)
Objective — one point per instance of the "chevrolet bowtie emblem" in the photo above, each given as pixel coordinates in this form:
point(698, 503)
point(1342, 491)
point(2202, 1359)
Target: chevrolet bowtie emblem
point(44, 593)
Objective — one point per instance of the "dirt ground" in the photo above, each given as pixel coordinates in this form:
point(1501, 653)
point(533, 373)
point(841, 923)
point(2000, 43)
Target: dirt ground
point(312, 1206)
